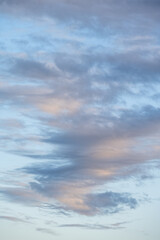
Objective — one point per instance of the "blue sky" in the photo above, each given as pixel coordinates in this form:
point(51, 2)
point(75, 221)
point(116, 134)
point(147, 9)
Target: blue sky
point(79, 119)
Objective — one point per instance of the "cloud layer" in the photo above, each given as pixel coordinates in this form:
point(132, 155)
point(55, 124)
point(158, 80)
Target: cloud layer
point(79, 95)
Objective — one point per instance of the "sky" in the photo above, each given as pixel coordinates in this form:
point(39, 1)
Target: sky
point(79, 119)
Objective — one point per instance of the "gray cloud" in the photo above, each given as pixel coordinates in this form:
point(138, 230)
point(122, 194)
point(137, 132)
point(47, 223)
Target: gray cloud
point(97, 157)
point(11, 123)
point(90, 13)
point(111, 202)
point(46, 230)
point(13, 219)
point(94, 107)
point(95, 226)
point(32, 69)
point(94, 158)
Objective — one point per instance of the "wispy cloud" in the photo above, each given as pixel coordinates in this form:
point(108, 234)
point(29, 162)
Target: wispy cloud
point(95, 226)
point(13, 219)
point(46, 230)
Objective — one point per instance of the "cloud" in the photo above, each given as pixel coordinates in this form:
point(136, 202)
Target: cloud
point(11, 123)
point(57, 106)
point(99, 146)
point(46, 230)
point(88, 104)
point(95, 157)
point(23, 195)
point(77, 198)
point(95, 226)
point(84, 12)
point(110, 201)
point(57, 184)
point(33, 69)
point(13, 219)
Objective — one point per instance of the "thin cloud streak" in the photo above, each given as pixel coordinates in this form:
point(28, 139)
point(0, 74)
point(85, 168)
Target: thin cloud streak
point(115, 226)
point(46, 230)
point(13, 219)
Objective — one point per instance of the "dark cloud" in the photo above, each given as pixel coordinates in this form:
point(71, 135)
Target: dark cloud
point(88, 12)
point(72, 64)
point(135, 65)
point(33, 69)
point(111, 202)
point(88, 73)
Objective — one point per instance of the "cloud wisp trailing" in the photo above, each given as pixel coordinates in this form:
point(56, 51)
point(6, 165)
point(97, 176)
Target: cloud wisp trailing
point(46, 230)
point(13, 219)
point(95, 226)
